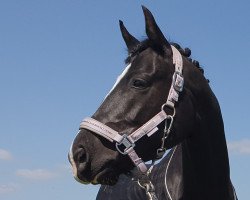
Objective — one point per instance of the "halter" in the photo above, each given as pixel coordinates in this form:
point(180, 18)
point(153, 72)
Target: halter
point(125, 143)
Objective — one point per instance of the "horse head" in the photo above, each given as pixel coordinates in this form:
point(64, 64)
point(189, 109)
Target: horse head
point(139, 94)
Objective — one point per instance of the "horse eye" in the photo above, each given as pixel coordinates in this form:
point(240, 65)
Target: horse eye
point(140, 84)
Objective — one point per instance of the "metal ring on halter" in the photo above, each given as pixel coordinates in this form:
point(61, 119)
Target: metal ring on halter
point(165, 105)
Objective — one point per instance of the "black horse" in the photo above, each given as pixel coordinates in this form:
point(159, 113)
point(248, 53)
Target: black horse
point(197, 167)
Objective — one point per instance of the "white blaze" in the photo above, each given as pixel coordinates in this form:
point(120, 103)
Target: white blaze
point(119, 78)
point(74, 169)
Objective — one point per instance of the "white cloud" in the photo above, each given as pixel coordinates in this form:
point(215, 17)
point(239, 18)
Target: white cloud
point(240, 146)
point(5, 155)
point(36, 174)
point(8, 188)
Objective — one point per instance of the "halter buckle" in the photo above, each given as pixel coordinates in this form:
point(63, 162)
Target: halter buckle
point(124, 145)
point(178, 81)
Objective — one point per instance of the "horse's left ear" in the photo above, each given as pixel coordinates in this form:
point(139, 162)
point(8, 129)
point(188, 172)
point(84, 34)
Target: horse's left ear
point(130, 40)
point(154, 33)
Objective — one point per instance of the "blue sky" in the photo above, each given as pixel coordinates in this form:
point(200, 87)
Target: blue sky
point(59, 58)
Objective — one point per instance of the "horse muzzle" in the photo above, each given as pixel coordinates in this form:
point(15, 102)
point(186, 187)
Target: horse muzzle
point(80, 166)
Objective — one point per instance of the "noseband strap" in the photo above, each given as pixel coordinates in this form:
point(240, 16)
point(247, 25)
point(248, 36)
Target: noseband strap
point(101, 129)
point(125, 143)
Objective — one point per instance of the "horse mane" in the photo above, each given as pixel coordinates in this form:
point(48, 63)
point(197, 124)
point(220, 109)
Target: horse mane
point(186, 52)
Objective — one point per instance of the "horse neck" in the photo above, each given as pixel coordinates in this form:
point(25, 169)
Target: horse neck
point(204, 154)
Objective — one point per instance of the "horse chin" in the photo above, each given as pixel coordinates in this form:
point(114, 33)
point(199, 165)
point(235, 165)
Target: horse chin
point(81, 181)
point(105, 177)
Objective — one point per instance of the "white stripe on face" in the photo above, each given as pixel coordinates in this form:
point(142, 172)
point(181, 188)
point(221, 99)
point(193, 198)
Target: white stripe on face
point(119, 78)
point(74, 169)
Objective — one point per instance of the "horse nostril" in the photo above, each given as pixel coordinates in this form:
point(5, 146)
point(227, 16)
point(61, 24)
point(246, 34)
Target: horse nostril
point(81, 155)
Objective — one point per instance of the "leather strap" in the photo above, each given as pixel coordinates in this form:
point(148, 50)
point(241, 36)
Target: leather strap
point(177, 60)
point(148, 128)
point(177, 80)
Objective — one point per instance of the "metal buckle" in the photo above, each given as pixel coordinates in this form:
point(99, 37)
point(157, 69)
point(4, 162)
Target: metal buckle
point(126, 143)
point(178, 81)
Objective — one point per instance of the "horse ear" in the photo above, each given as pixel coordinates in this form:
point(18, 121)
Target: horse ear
point(154, 33)
point(130, 40)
